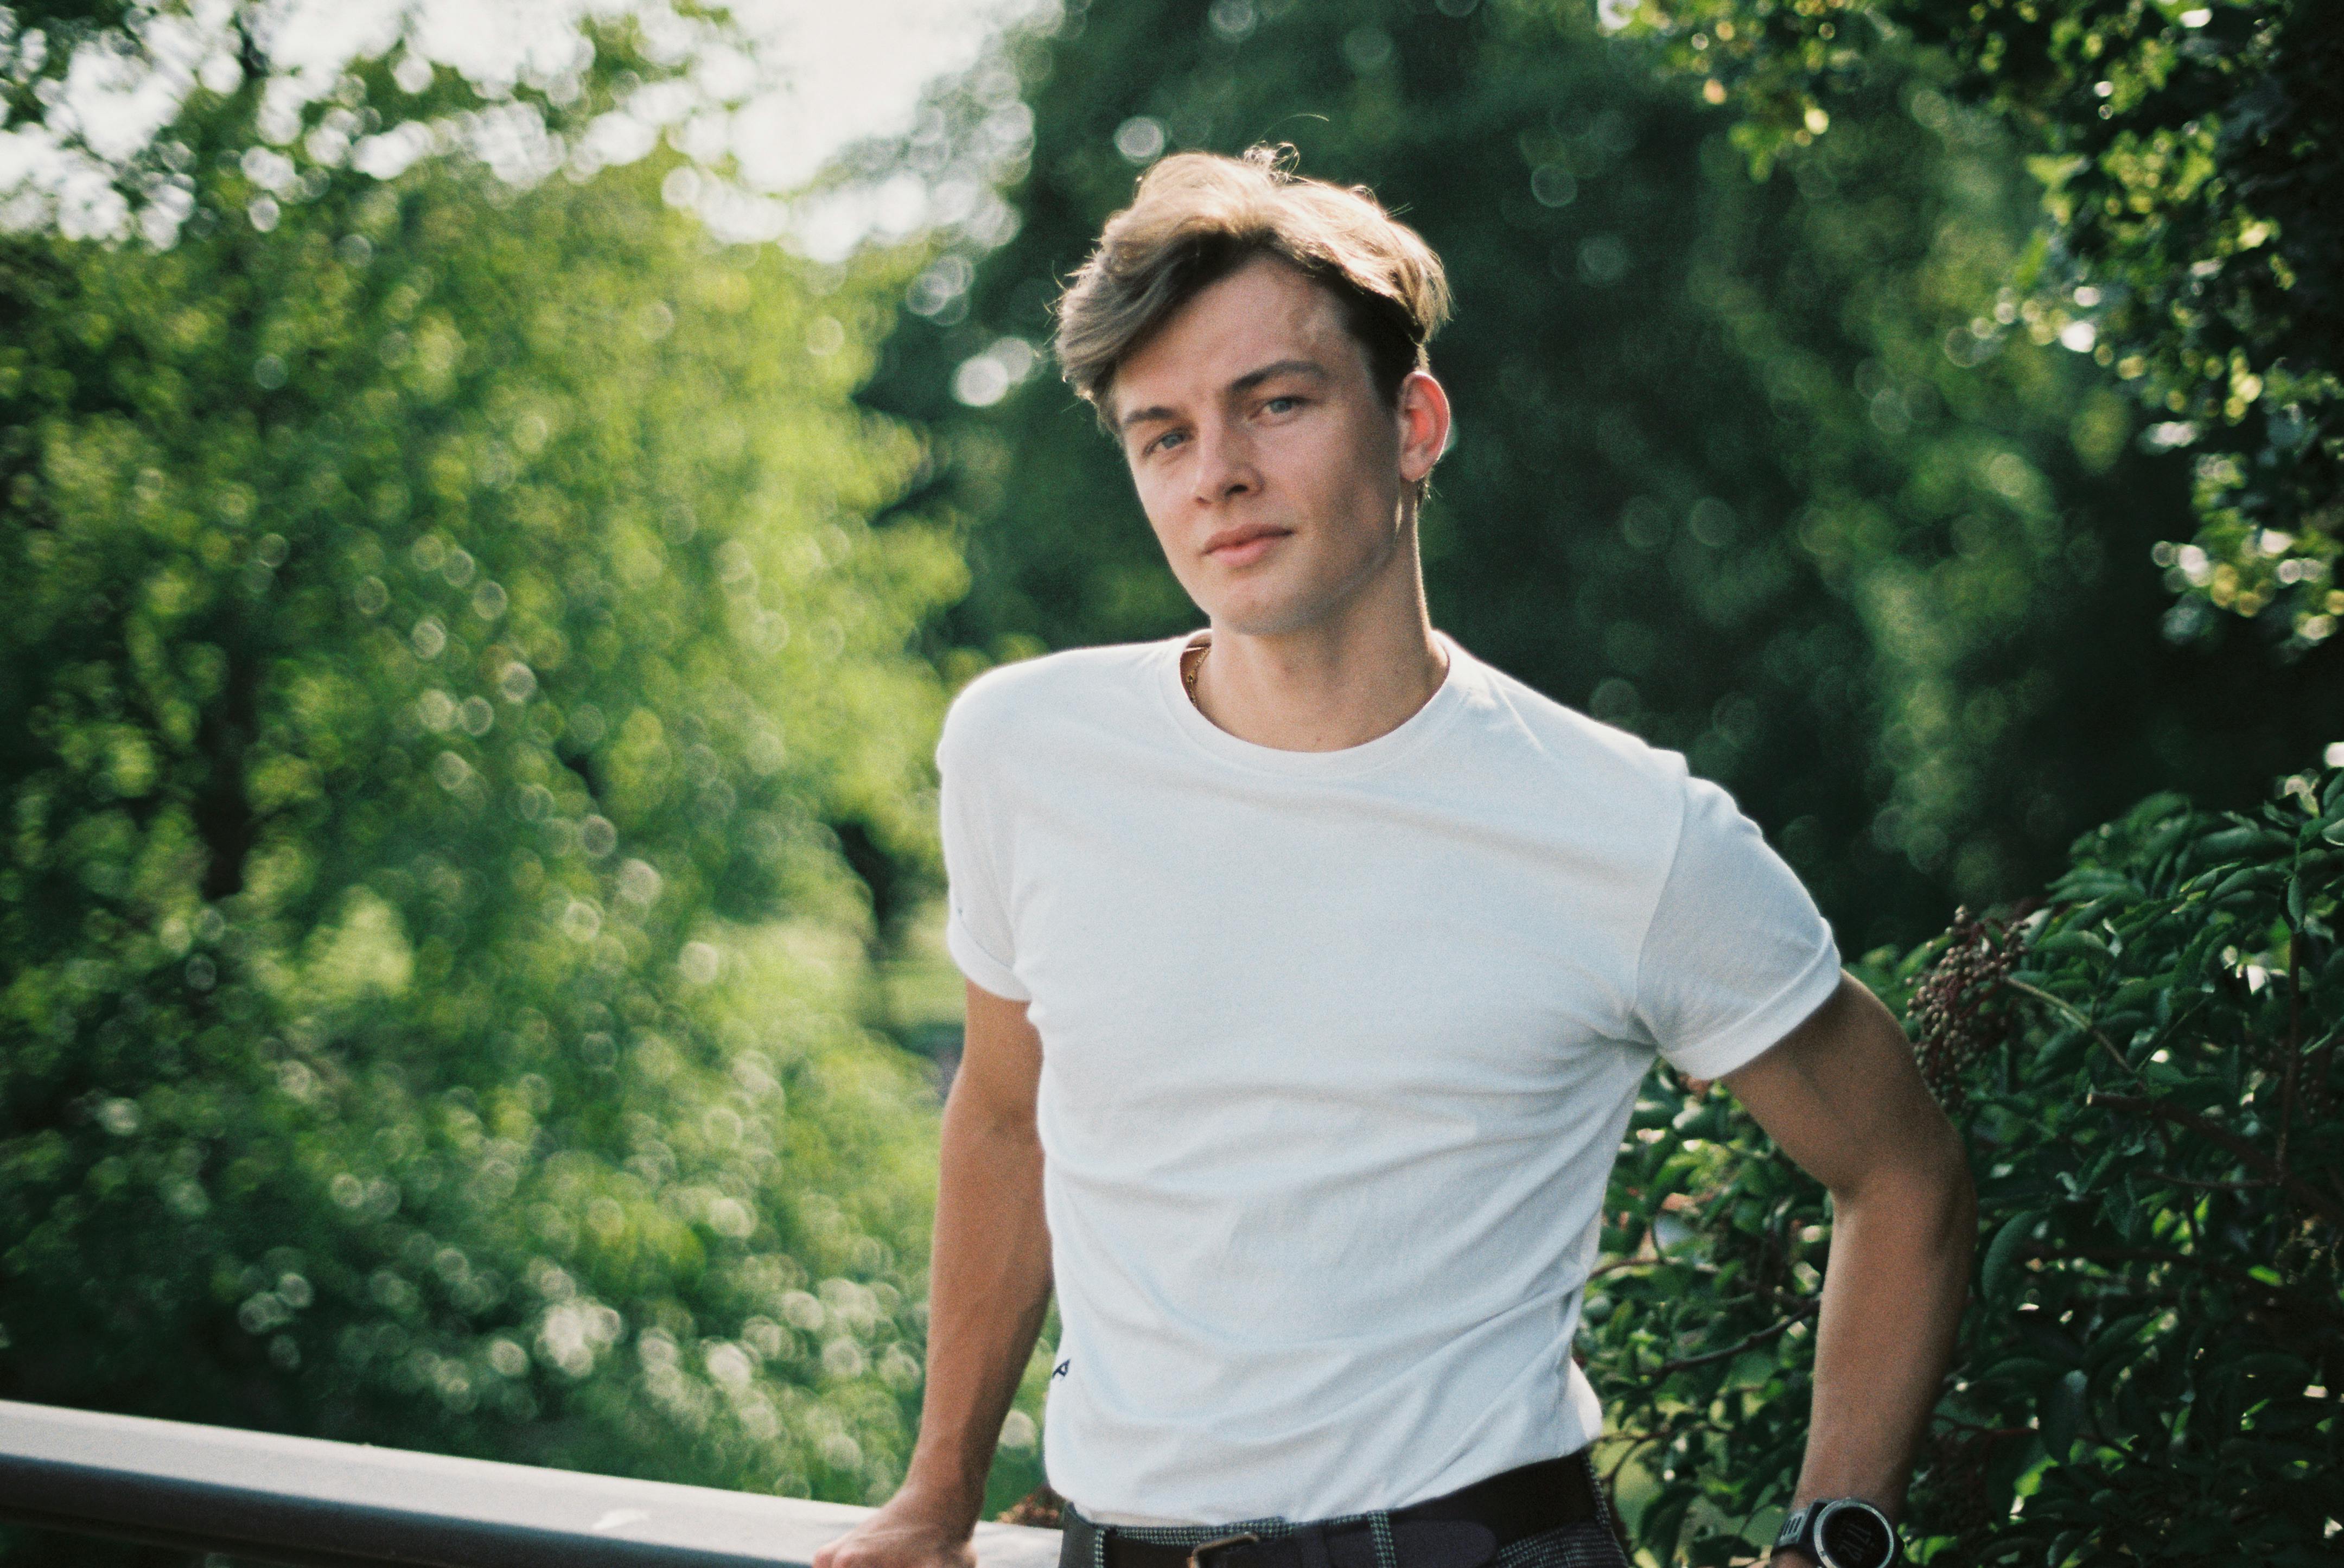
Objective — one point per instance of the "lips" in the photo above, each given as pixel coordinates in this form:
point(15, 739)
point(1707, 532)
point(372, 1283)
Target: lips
point(1244, 543)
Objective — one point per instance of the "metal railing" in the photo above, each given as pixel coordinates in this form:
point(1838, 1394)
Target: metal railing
point(316, 1504)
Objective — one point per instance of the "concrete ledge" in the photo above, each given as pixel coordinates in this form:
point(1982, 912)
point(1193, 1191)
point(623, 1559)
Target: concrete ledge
point(316, 1504)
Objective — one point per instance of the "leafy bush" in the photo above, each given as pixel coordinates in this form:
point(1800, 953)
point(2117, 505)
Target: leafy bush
point(2145, 1070)
point(442, 643)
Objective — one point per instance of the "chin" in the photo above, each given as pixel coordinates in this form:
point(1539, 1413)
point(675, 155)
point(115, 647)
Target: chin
point(1279, 605)
point(1263, 618)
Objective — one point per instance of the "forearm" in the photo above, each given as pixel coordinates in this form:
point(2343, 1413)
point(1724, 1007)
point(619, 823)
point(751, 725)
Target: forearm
point(988, 1290)
point(1891, 1301)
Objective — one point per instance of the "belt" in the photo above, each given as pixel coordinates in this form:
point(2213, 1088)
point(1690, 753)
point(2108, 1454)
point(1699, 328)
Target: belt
point(1465, 1529)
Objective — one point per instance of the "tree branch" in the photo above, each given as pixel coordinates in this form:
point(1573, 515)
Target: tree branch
point(2277, 1294)
point(1730, 1352)
point(2078, 1015)
point(2294, 1041)
point(2214, 1186)
point(2320, 1203)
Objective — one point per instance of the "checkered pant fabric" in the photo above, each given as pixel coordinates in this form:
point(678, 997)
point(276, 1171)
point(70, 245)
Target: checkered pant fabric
point(1590, 1544)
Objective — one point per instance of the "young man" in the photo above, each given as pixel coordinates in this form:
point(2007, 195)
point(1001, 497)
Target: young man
point(1313, 967)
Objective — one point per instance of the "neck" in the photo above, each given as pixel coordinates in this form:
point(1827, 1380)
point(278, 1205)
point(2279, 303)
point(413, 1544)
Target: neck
point(1338, 683)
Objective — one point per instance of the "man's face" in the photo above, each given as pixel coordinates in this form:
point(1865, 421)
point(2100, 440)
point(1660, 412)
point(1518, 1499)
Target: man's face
point(1269, 469)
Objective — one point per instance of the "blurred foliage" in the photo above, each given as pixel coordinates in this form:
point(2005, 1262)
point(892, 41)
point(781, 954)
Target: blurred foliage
point(2145, 1070)
point(447, 666)
point(39, 38)
point(1732, 468)
point(464, 745)
point(2190, 151)
point(44, 43)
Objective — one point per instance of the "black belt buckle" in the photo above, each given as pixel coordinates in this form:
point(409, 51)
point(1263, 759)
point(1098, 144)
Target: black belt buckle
point(1197, 1553)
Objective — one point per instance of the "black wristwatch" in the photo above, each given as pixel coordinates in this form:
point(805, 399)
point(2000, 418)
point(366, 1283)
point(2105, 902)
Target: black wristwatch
point(1841, 1532)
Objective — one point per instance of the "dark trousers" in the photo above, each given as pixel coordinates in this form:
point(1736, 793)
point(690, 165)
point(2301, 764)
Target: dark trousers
point(1588, 1543)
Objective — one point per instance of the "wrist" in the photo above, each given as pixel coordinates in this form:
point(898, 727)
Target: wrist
point(948, 1503)
point(1837, 1532)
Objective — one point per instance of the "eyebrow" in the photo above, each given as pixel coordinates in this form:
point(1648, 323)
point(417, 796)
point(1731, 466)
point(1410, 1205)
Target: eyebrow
point(1244, 383)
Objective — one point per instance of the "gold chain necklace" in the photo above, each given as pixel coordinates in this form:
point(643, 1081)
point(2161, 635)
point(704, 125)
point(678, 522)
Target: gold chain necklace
point(1192, 668)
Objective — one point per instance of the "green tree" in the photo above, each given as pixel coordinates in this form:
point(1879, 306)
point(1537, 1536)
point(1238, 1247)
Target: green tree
point(444, 641)
point(1734, 468)
point(2189, 152)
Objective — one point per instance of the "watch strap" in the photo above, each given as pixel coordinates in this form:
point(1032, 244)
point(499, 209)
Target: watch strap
point(1794, 1528)
point(1805, 1528)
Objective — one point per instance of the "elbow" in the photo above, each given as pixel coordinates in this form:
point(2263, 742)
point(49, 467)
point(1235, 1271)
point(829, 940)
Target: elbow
point(1952, 1196)
point(1957, 1234)
point(1926, 1185)
point(1961, 1223)
point(972, 1115)
point(1941, 1182)
point(1952, 1162)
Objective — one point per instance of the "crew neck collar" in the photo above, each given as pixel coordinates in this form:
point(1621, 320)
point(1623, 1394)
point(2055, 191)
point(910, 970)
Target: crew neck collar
point(1344, 763)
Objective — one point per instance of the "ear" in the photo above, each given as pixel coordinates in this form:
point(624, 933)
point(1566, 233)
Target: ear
point(1422, 413)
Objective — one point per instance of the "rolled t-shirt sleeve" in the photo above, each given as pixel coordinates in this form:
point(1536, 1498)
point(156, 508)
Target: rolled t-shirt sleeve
point(1737, 954)
point(977, 931)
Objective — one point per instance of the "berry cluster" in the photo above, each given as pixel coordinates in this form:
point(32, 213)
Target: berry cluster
point(1959, 1005)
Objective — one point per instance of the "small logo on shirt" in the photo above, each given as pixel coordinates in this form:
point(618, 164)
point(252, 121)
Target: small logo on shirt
point(1061, 1369)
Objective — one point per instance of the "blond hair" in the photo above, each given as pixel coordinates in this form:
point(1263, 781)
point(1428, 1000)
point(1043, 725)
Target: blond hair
point(1199, 217)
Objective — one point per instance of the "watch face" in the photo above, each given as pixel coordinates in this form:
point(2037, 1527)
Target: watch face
point(1854, 1534)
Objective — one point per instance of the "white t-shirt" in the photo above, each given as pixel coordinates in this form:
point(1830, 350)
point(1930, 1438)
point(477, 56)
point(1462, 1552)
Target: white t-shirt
point(1337, 1049)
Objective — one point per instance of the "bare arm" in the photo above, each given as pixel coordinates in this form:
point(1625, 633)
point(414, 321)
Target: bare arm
point(1841, 1097)
point(989, 1289)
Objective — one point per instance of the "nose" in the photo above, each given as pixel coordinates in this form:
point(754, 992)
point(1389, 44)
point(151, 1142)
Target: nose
point(1224, 467)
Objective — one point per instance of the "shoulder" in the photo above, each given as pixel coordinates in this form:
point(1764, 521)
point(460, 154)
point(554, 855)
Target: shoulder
point(1645, 793)
point(1016, 705)
point(1592, 760)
